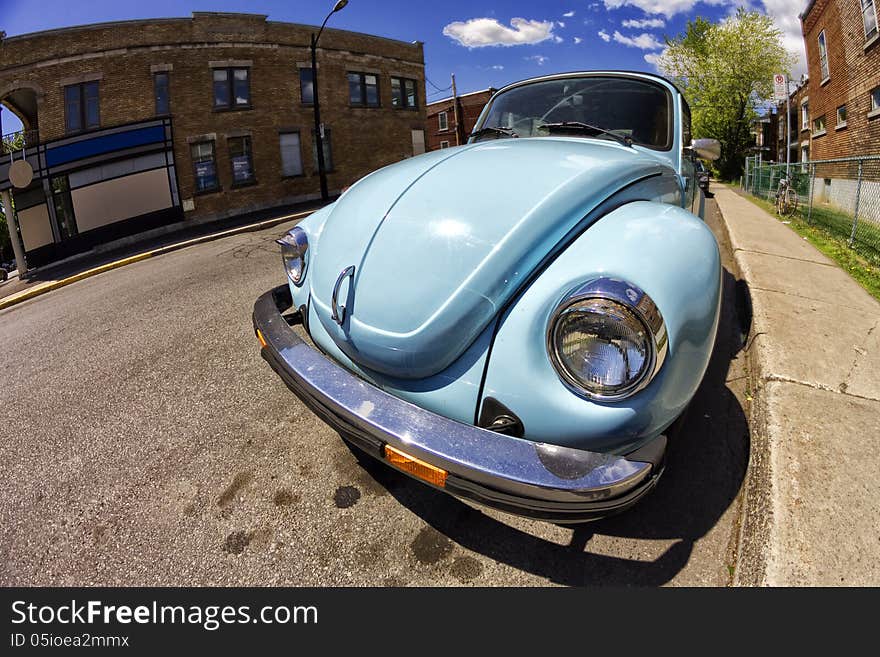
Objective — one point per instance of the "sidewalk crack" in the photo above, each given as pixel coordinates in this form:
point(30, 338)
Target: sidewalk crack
point(779, 255)
point(817, 386)
point(860, 352)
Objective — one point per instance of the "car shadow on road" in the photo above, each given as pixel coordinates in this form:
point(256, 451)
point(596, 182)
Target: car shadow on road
point(706, 467)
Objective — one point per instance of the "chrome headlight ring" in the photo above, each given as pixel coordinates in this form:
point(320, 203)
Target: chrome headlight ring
point(616, 331)
point(294, 250)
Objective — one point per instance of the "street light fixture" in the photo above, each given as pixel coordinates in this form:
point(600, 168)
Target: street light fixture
point(319, 136)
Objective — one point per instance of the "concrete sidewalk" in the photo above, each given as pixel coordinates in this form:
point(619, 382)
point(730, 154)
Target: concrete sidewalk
point(812, 508)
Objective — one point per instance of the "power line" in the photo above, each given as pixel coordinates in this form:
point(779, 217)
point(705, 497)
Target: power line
point(436, 87)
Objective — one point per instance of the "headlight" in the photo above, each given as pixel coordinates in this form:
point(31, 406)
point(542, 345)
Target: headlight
point(294, 250)
point(607, 339)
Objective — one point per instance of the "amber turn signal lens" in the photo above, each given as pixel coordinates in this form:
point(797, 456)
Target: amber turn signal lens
point(416, 467)
point(261, 339)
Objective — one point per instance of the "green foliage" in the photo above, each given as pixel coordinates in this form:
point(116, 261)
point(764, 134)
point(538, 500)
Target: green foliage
point(726, 72)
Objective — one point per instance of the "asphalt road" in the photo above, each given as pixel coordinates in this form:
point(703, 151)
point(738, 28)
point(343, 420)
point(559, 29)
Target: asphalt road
point(145, 442)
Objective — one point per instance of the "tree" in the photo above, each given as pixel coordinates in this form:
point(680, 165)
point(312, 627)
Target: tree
point(726, 73)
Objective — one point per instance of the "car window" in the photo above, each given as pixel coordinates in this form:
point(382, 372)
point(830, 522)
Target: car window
point(638, 109)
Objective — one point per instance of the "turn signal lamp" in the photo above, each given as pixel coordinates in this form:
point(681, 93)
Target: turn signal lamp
point(261, 339)
point(416, 467)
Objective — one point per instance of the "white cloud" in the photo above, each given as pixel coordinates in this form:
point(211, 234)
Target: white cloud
point(558, 39)
point(578, 40)
point(668, 8)
point(644, 23)
point(568, 14)
point(498, 67)
point(604, 36)
point(560, 23)
point(642, 41)
point(538, 59)
point(480, 32)
point(785, 15)
point(652, 58)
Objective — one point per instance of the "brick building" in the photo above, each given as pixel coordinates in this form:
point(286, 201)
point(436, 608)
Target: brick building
point(132, 125)
point(798, 123)
point(440, 126)
point(843, 58)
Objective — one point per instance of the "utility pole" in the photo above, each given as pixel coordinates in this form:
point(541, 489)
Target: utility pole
point(787, 129)
point(455, 112)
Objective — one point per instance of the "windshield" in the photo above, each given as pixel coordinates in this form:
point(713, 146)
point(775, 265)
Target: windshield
point(632, 108)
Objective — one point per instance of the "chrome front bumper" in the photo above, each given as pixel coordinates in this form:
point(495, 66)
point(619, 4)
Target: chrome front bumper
point(519, 476)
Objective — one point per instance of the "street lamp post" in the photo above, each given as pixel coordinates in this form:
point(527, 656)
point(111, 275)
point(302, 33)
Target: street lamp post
point(319, 137)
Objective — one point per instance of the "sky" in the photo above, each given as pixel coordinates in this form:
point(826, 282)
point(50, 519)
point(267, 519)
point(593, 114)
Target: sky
point(483, 43)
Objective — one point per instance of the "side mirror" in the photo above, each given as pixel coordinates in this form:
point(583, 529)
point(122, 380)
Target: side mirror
point(706, 149)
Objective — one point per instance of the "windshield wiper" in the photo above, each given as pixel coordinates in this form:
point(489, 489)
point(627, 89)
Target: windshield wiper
point(495, 130)
point(577, 126)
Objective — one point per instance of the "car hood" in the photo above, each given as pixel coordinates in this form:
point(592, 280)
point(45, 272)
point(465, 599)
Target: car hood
point(440, 242)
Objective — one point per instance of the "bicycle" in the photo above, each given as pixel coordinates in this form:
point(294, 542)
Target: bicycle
point(786, 198)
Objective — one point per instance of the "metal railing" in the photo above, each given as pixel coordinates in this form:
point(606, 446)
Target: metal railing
point(842, 196)
point(16, 141)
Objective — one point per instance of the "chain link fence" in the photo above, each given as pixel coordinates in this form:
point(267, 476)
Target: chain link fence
point(841, 196)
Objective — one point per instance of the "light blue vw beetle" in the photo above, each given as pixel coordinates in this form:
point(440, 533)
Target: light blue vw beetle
point(519, 320)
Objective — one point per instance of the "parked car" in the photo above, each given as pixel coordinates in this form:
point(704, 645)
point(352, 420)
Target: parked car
point(519, 320)
point(702, 175)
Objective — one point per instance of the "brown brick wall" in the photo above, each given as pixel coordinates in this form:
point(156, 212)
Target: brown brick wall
point(854, 69)
point(470, 106)
point(122, 54)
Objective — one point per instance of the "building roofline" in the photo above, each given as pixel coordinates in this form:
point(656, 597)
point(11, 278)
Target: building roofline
point(807, 9)
point(190, 19)
point(491, 90)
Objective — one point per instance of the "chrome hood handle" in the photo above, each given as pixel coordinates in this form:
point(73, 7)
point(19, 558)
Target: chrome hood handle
point(337, 311)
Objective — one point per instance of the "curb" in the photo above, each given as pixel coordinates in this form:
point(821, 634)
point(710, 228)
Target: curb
point(754, 524)
point(47, 287)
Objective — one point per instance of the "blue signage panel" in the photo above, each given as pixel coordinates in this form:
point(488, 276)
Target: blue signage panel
point(104, 144)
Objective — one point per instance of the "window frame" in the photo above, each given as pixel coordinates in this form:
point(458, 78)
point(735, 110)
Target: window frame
point(248, 141)
point(819, 126)
point(167, 77)
point(874, 102)
point(302, 167)
point(805, 115)
point(824, 70)
point(82, 111)
point(864, 5)
point(443, 121)
point(231, 105)
point(838, 123)
point(404, 96)
point(207, 190)
point(302, 99)
point(445, 141)
point(363, 88)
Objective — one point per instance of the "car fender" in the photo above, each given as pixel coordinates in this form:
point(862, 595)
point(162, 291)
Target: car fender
point(667, 252)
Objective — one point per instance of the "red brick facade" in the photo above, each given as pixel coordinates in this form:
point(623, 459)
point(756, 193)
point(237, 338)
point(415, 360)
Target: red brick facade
point(469, 108)
point(123, 58)
point(853, 72)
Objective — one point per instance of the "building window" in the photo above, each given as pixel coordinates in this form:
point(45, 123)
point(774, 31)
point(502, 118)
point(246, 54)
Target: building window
point(81, 111)
point(805, 153)
point(823, 56)
point(444, 144)
point(819, 126)
point(875, 100)
point(869, 18)
point(160, 89)
point(241, 159)
point(363, 89)
point(805, 116)
point(63, 207)
point(841, 116)
point(232, 88)
point(306, 86)
point(291, 154)
point(328, 151)
point(403, 93)
point(204, 166)
point(442, 121)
